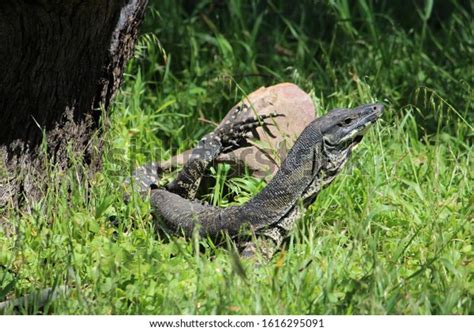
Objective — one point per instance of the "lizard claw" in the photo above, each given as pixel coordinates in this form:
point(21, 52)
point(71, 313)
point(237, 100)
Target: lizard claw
point(234, 132)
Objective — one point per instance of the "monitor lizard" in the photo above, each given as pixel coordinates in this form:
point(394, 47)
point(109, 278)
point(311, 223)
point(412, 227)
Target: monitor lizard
point(313, 162)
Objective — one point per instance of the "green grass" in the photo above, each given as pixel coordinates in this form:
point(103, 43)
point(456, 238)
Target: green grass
point(392, 235)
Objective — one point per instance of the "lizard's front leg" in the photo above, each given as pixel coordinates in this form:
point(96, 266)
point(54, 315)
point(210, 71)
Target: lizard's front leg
point(265, 243)
point(189, 178)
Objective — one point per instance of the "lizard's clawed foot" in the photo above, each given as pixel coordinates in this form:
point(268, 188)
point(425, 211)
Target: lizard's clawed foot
point(263, 247)
point(234, 131)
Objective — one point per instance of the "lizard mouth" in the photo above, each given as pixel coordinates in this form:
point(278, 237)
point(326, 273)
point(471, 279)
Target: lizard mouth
point(355, 137)
point(356, 141)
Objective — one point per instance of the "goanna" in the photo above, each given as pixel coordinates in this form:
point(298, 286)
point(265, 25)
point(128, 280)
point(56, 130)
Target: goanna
point(313, 162)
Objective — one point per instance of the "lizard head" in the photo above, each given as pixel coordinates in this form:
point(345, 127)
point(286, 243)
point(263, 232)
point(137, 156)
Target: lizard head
point(342, 130)
point(339, 132)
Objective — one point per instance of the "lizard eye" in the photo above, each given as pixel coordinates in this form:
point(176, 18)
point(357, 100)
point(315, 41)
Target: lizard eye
point(346, 122)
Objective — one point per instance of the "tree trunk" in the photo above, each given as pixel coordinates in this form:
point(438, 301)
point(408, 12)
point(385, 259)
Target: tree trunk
point(60, 65)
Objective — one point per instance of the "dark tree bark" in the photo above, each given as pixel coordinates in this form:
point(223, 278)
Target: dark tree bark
point(60, 63)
